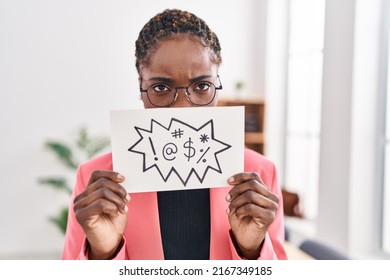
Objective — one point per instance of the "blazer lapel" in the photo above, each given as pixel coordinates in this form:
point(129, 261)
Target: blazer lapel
point(219, 223)
point(143, 228)
point(144, 240)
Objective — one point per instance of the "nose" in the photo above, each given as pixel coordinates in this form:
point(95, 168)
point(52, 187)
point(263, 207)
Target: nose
point(181, 99)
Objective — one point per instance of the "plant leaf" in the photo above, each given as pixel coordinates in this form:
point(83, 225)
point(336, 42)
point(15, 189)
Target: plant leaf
point(96, 145)
point(62, 220)
point(57, 183)
point(63, 152)
point(83, 140)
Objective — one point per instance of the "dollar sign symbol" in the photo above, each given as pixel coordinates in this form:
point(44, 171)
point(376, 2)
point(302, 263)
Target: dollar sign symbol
point(191, 150)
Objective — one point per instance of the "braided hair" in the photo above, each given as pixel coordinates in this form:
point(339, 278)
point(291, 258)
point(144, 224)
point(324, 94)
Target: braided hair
point(169, 23)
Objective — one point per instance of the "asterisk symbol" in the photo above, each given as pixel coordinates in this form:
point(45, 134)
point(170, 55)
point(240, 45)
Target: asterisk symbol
point(204, 138)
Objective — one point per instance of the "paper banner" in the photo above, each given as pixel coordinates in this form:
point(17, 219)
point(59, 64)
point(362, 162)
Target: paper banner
point(177, 148)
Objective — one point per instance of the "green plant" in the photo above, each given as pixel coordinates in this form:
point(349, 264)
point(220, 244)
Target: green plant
point(239, 85)
point(71, 156)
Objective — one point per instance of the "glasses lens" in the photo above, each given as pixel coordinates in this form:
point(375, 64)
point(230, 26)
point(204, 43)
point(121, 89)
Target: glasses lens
point(161, 95)
point(201, 93)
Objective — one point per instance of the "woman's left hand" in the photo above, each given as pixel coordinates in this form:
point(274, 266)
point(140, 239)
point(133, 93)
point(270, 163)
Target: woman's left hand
point(251, 211)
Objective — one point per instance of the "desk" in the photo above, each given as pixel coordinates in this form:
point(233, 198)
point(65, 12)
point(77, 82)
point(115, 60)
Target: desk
point(294, 253)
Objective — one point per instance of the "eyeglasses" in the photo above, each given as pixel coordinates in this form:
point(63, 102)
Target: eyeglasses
point(200, 93)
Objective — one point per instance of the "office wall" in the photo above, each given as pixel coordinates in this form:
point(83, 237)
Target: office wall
point(64, 64)
point(353, 89)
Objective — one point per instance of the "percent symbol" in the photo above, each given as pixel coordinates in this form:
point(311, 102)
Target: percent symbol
point(204, 160)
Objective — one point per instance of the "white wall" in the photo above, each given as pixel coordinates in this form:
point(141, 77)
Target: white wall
point(276, 82)
point(336, 122)
point(64, 64)
point(349, 214)
point(350, 172)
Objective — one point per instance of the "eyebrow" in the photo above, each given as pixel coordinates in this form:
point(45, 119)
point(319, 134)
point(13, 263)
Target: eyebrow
point(169, 80)
point(200, 78)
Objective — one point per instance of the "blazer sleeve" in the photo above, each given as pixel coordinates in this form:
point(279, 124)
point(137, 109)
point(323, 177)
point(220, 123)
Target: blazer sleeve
point(74, 236)
point(75, 244)
point(273, 245)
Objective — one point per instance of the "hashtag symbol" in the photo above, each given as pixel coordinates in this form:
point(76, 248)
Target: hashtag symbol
point(177, 133)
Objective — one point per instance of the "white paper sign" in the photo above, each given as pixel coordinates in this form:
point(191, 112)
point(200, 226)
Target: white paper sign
point(177, 148)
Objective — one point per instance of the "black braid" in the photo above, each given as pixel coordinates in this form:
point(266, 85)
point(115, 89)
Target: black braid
point(171, 22)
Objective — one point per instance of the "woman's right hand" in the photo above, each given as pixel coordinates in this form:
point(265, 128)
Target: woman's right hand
point(102, 213)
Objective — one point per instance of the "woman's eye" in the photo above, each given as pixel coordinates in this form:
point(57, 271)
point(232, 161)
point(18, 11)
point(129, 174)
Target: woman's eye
point(161, 88)
point(202, 86)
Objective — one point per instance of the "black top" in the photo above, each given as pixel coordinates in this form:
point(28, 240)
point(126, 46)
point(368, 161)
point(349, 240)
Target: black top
point(185, 224)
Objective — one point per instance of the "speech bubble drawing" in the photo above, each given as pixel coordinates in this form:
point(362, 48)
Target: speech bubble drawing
point(169, 149)
point(179, 149)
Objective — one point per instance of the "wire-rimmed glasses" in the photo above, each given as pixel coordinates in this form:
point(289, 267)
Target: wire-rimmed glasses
point(199, 93)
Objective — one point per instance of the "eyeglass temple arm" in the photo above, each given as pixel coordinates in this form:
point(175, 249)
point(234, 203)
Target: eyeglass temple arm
point(220, 87)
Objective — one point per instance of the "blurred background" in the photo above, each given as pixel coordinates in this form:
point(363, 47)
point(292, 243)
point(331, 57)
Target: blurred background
point(312, 73)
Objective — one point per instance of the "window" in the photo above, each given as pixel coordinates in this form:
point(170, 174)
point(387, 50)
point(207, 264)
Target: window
point(307, 19)
point(386, 174)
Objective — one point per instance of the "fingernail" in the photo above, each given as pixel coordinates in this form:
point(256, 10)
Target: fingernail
point(231, 180)
point(126, 209)
point(228, 197)
point(227, 210)
point(127, 197)
point(120, 176)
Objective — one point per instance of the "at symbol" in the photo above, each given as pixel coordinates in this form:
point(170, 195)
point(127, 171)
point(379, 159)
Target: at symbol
point(169, 150)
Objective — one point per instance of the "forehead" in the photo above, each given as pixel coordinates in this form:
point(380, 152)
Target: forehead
point(179, 57)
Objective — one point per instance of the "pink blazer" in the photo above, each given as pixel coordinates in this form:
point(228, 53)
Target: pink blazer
point(143, 242)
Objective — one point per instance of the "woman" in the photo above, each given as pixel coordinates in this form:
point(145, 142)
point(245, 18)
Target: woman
point(177, 58)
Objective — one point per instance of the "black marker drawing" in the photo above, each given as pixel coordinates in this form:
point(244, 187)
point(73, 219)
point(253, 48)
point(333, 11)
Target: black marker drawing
point(154, 151)
point(169, 150)
point(191, 150)
point(204, 138)
point(177, 133)
point(180, 149)
point(204, 160)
